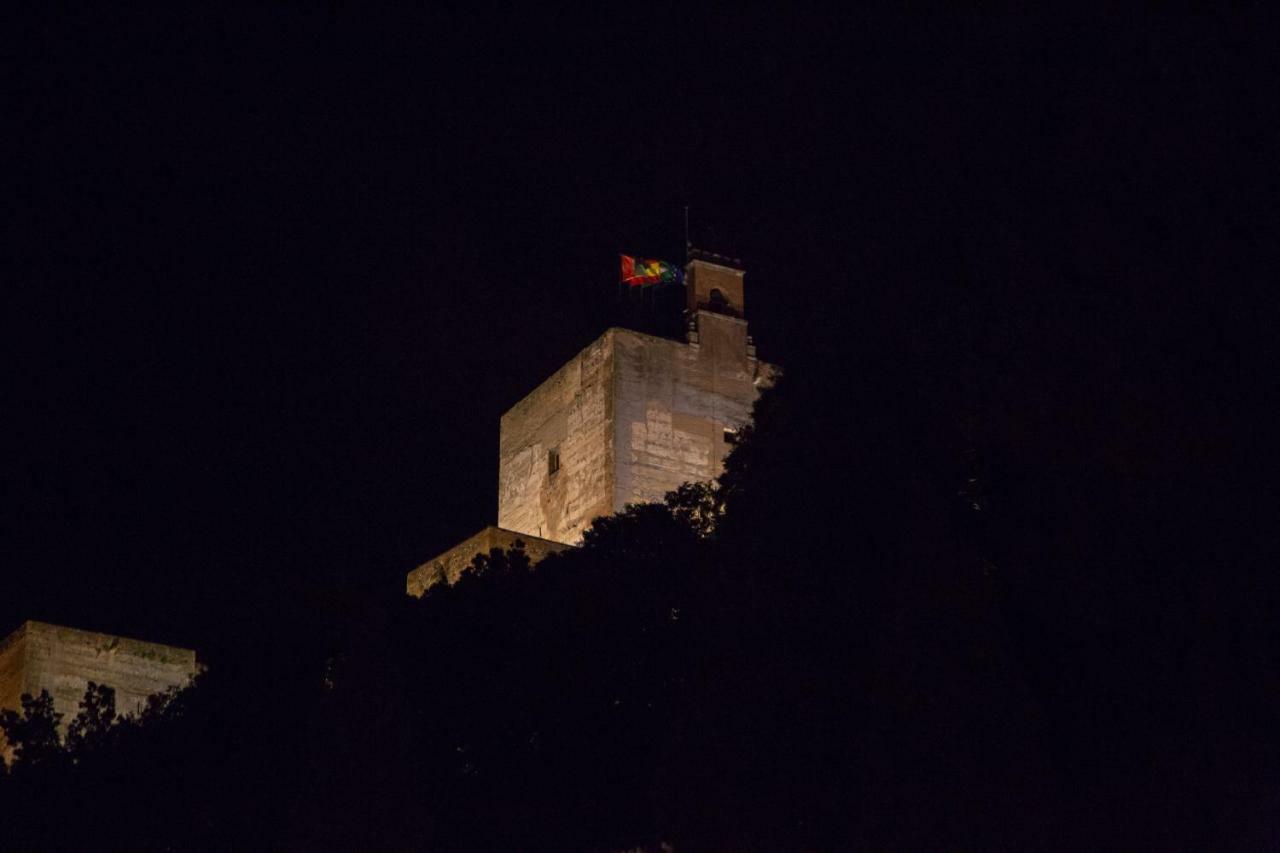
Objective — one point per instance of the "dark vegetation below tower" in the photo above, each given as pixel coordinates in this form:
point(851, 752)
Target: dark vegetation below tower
point(842, 645)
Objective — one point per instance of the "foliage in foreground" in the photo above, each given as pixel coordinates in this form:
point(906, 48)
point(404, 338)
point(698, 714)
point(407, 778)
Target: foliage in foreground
point(862, 645)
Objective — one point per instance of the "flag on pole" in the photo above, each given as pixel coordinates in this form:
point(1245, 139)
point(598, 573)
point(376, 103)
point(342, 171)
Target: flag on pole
point(638, 272)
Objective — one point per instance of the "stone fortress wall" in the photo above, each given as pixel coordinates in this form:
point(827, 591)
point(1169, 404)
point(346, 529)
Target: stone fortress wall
point(678, 406)
point(570, 414)
point(39, 656)
point(449, 566)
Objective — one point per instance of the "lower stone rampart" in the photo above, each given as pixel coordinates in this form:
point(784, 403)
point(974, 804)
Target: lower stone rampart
point(39, 656)
point(449, 565)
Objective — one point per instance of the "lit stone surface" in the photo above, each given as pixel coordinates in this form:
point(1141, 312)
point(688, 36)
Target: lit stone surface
point(673, 403)
point(449, 565)
point(703, 278)
point(38, 656)
point(570, 413)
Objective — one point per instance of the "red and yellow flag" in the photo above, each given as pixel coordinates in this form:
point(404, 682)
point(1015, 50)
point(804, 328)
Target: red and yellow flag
point(637, 272)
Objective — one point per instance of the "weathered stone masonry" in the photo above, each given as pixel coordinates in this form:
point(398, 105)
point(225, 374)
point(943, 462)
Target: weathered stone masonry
point(39, 656)
point(570, 414)
point(449, 565)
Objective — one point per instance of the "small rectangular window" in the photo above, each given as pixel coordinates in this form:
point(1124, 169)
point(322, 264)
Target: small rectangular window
point(553, 461)
point(730, 436)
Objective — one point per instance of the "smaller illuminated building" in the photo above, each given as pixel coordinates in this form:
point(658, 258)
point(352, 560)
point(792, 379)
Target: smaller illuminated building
point(39, 656)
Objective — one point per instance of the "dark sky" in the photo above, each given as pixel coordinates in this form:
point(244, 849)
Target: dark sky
point(276, 274)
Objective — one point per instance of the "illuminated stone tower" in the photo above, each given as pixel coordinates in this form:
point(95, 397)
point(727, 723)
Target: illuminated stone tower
point(628, 419)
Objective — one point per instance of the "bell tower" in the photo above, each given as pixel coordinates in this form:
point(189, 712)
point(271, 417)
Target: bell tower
point(713, 285)
point(715, 302)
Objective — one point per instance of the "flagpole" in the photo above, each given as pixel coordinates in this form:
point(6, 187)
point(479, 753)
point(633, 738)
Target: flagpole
point(687, 247)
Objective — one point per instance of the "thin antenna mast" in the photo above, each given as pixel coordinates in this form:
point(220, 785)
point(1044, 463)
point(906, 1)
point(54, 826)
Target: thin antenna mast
point(687, 246)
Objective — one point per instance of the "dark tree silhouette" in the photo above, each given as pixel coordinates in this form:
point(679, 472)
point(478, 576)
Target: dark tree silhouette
point(840, 649)
point(95, 721)
point(33, 734)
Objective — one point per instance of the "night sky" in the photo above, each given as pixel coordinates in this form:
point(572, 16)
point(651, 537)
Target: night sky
point(274, 275)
